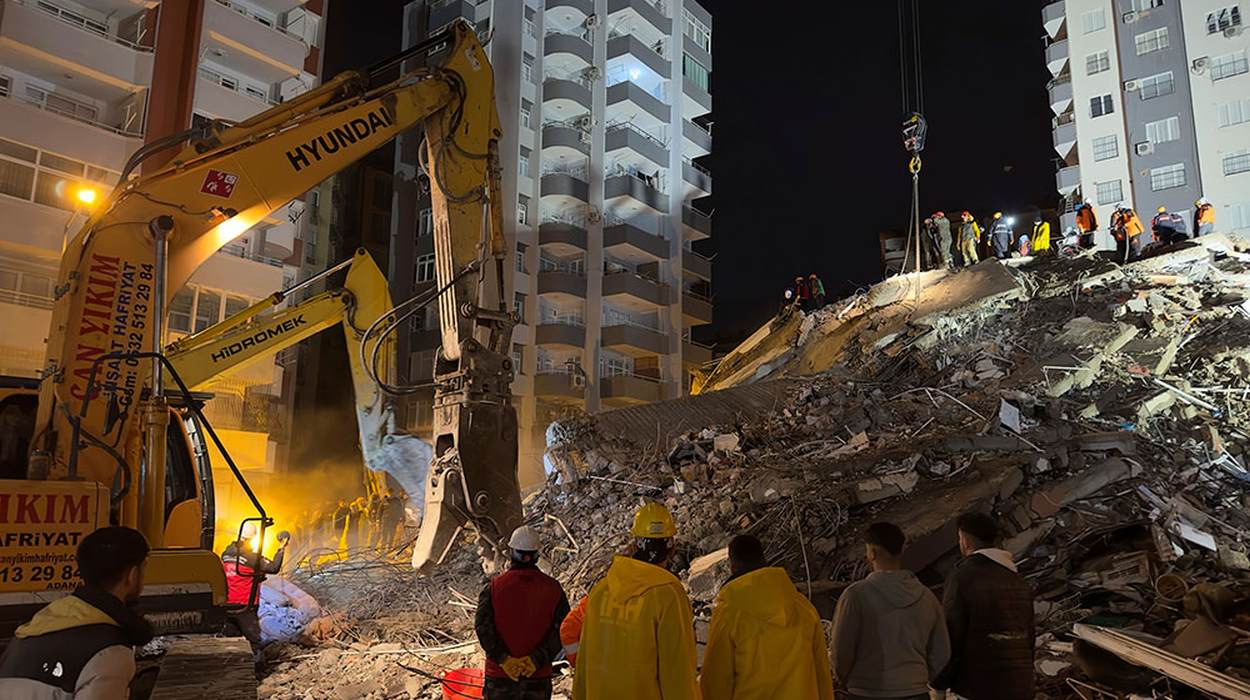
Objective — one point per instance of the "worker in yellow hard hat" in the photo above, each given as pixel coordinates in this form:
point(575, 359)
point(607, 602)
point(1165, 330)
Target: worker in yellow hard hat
point(637, 638)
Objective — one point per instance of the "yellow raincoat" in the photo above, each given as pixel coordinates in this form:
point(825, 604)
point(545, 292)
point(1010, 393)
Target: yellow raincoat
point(766, 643)
point(637, 638)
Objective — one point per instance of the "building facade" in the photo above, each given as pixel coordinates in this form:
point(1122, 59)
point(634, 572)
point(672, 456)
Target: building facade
point(75, 100)
point(605, 107)
point(1152, 106)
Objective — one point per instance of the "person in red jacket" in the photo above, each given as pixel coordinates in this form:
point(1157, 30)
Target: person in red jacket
point(241, 560)
point(518, 625)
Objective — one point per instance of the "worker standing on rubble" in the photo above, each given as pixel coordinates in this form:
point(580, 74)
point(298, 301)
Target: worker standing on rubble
point(1041, 235)
point(1000, 236)
point(518, 625)
point(637, 640)
point(355, 523)
point(889, 639)
point(339, 525)
point(969, 239)
point(241, 561)
point(82, 645)
point(818, 291)
point(1204, 217)
point(1126, 228)
point(392, 519)
point(766, 641)
point(943, 229)
point(989, 612)
point(375, 520)
point(803, 293)
point(1086, 224)
point(1168, 228)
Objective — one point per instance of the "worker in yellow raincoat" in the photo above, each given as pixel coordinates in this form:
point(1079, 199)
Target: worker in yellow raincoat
point(637, 640)
point(766, 641)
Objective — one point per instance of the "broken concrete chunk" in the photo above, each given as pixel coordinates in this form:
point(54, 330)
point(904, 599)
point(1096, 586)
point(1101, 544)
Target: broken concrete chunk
point(1047, 502)
point(726, 443)
point(707, 573)
point(888, 486)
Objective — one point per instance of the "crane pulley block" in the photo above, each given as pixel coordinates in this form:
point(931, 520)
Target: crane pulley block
point(914, 130)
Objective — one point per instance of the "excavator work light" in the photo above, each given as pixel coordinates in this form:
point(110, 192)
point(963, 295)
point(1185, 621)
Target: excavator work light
point(86, 195)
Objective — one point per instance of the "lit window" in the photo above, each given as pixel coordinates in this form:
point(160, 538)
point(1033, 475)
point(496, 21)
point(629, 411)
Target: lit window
point(1094, 20)
point(1106, 147)
point(1228, 65)
point(1098, 106)
point(1108, 192)
point(1151, 41)
point(1097, 63)
point(1157, 86)
point(1224, 19)
point(1164, 130)
point(1236, 162)
point(425, 268)
point(1167, 177)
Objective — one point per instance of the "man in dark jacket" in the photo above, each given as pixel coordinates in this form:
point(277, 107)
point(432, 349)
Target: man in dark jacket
point(943, 227)
point(518, 625)
point(1001, 235)
point(81, 646)
point(989, 613)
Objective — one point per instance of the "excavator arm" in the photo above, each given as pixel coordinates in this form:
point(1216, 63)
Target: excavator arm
point(120, 271)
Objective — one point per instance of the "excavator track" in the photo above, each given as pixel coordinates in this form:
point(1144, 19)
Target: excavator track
point(206, 668)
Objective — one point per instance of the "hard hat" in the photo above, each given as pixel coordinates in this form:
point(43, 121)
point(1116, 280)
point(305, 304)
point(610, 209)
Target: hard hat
point(998, 215)
point(938, 214)
point(967, 215)
point(1201, 201)
point(524, 539)
point(249, 530)
point(1163, 210)
point(789, 293)
point(653, 521)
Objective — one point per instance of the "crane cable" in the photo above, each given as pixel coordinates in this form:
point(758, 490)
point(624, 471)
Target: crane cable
point(911, 75)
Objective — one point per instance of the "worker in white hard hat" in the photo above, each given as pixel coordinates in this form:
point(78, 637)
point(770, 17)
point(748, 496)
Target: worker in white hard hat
point(637, 636)
point(1204, 217)
point(518, 624)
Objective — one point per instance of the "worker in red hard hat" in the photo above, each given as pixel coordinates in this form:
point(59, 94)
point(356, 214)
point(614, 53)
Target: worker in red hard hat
point(518, 625)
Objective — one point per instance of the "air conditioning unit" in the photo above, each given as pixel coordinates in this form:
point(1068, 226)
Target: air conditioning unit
point(1131, 85)
point(1130, 17)
point(592, 21)
point(592, 73)
point(1199, 66)
point(1144, 148)
point(593, 215)
point(577, 381)
point(584, 122)
point(1232, 32)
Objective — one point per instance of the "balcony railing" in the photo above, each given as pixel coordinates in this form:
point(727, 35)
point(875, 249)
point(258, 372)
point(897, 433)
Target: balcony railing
point(608, 371)
point(571, 76)
point(576, 169)
point(584, 36)
point(696, 166)
point(617, 320)
point(76, 115)
point(265, 21)
point(558, 320)
point(37, 301)
point(650, 181)
point(235, 85)
point(549, 265)
point(241, 252)
point(86, 24)
point(628, 126)
point(566, 218)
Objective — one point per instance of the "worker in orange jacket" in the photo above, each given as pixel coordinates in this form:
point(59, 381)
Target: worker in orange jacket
point(1204, 217)
point(1086, 224)
point(571, 632)
point(1126, 228)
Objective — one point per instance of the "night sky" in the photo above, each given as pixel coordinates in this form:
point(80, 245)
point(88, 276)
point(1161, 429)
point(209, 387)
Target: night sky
point(807, 160)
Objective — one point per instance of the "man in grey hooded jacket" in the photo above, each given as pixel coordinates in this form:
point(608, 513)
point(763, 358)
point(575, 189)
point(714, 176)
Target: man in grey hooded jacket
point(889, 637)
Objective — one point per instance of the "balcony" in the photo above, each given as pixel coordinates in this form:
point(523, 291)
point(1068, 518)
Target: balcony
point(1053, 17)
point(697, 100)
point(562, 237)
point(625, 94)
point(566, 139)
point(569, 49)
point(559, 384)
point(1057, 57)
point(108, 65)
point(699, 137)
point(631, 243)
point(696, 309)
point(695, 224)
point(44, 126)
point(565, 181)
point(560, 335)
point(232, 33)
point(697, 176)
point(653, 11)
point(628, 45)
point(693, 353)
point(696, 265)
point(1068, 179)
point(628, 389)
point(567, 94)
point(1065, 138)
point(635, 292)
point(221, 101)
point(633, 340)
point(625, 135)
point(444, 12)
point(627, 186)
point(1060, 95)
point(585, 7)
point(562, 285)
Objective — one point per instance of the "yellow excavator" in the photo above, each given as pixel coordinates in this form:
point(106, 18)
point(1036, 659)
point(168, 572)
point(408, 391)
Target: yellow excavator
point(115, 418)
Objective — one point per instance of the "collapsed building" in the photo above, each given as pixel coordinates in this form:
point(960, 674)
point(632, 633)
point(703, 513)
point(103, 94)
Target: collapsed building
point(1097, 410)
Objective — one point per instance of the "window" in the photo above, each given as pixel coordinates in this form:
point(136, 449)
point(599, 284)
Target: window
point(1157, 86)
point(698, 32)
point(518, 358)
point(1221, 20)
point(425, 222)
point(526, 108)
point(527, 68)
point(1151, 41)
point(1236, 162)
point(207, 309)
point(1108, 192)
point(694, 72)
point(1164, 130)
point(1099, 106)
point(520, 257)
point(1167, 177)
point(1106, 147)
point(425, 268)
point(6, 86)
point(16, 180)
point(1228, 65)
point(522, 209)
point(1235, 112)
point(1149, 4)
point(1239, 216)
point(1097, 63)
point(235, 304)
point(529, 25)
point(429, 319)
point(1094, 20)
point(523, 162)
point(518, 305)
point(180, 310)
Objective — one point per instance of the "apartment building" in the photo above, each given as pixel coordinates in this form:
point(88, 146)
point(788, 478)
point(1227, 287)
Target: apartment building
point(1152, 106)
point(606, 115)
point(75, 84)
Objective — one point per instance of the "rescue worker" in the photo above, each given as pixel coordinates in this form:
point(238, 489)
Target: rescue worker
point(392, 519)
point(355, 523)
point(518, 624)
point(571, 632)
point(929, 244)
point(969, 239)
point(374, 511)
point(1168, 228)
point(766, 640)
point(1041, 235)
point(1000, 236)
point(1086, 224)
point(943, 228)
point(803, 293)
point(818, 291)
point(339, 524)
point(787, 299)
point(81, 646)
point(241, 560)
point(1126, 228)
point(637, 640)
point(1204, 217)
point(1024, 246)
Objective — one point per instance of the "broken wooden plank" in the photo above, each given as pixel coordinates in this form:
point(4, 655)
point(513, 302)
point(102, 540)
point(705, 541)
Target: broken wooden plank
point(1140, 653)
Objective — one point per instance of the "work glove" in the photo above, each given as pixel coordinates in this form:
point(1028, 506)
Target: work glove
point(514, 667)
point(527, 667)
